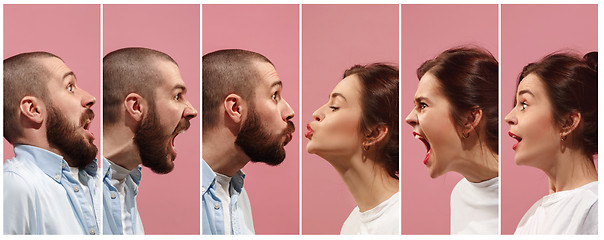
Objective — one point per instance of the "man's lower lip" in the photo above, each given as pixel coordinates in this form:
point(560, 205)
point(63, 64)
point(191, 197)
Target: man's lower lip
point(515, 146)
point(89, 133)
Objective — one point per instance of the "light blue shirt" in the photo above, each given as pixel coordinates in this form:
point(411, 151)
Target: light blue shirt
point(212, 212)
point(113, 220)
point(42, 197)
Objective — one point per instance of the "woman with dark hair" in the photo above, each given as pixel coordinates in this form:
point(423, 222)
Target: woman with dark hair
point(356, 131)
point(456, 117)
point(555, 121)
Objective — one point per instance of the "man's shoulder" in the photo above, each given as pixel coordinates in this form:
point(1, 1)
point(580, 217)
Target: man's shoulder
point(23, 176)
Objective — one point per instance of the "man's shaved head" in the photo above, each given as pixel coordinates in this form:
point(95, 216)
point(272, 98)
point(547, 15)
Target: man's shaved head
point(129, 70)
point(24, 75)
point(225, 72)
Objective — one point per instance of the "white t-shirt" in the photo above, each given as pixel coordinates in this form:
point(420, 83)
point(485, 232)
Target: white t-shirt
point(475, 207)
point(382, 219)
point(566, 212)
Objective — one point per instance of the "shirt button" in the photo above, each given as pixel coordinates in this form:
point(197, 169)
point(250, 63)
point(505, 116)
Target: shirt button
point(216, 206)
point(203, 189)
point(63, 165)
point(112, 195)
point(57, 176)
point(76, 189)
point(92, 232)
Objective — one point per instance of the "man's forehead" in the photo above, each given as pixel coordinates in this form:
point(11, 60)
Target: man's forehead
point(171, 77)
point(266, 73)
point(56, 67)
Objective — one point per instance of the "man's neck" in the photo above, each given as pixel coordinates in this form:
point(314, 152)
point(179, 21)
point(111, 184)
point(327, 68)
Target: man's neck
point(119, 147)
point(222, 154)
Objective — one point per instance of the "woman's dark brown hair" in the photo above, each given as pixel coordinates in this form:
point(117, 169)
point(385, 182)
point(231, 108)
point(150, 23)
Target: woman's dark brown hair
point(571, 82)
point(379, 100)
point(468, 78)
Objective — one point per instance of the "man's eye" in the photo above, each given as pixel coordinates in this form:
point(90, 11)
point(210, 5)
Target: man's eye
point(70, 87)
point(276, 97)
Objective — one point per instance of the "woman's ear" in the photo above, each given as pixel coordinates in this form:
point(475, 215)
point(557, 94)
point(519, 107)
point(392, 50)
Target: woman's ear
point(376, 135)
point(31, 108)
point(135, 106)
point(472, 120)
point(234, 107)
point(569, 123)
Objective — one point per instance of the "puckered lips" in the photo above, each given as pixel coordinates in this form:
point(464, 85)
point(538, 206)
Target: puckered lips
point(310, 131)
point(514, 136)
point(428, 149)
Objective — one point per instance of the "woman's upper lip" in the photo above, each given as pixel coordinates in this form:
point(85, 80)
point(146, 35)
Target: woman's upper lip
point(514, 136)
point(308, 127)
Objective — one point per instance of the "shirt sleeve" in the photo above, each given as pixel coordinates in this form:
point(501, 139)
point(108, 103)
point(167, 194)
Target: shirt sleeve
point(19, 205)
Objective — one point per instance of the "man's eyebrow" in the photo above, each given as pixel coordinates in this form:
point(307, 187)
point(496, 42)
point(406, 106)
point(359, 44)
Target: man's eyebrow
point(277, 83)
point(334, 95)
point(181, 87)
point(68, 74)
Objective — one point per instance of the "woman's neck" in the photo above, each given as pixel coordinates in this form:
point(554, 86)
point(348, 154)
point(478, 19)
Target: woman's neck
point(478, 164)
point(570, 169)
point(367, 181)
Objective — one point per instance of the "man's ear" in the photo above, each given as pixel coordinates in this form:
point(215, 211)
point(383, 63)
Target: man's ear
point(376, 135)
point(569, 123)
point(234, 107)
point(472, 120)
point(32, 108)
point(135, 106)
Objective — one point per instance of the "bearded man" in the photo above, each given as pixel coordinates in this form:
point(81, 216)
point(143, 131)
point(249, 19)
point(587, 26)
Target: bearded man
point(245, 119)
point(144, 109)
point(50, 184)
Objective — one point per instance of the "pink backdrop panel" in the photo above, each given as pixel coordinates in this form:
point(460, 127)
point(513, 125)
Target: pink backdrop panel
point(273, 31)
point(72, 32)
point(428, 30)
point(528, 33)
point(169, 203)
point(334, 38)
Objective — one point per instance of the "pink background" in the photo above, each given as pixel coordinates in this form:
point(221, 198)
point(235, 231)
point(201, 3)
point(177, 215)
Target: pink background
point(428, 30)
point(271, 30)
point(72, 32)
point(334, 38)
point(169, 203)
point(528, 33)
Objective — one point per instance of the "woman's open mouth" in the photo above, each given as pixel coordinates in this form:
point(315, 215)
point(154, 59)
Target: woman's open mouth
point(428, 149)
point(514, 136)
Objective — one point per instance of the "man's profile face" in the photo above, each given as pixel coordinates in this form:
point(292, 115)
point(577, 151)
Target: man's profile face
point(69, 114)
point(168, 116)
point(267, 128)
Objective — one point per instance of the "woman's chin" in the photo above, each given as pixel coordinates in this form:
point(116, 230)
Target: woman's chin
point(310, 149)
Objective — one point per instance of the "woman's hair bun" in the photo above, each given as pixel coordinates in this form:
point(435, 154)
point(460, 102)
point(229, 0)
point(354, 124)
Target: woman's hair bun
point(592, 60)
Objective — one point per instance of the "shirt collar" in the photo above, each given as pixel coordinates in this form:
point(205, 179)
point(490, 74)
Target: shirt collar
point(136, 173)
point(209, 178)
point(50, 163)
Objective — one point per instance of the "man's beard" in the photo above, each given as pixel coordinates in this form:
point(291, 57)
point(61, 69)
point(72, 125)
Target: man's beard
point(259, 145)
point(78, 150)
point(154, 146)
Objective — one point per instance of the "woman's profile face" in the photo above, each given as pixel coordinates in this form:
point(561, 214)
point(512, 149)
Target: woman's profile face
point(433, 124)
point(532, 124)
point(335, 131)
